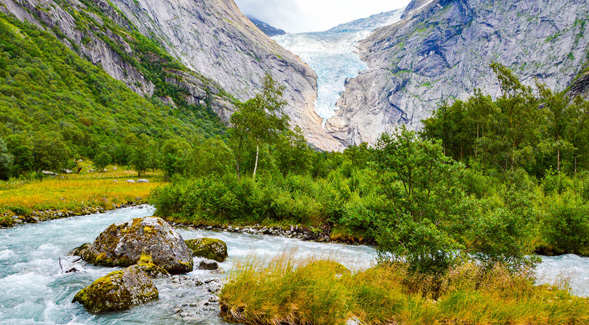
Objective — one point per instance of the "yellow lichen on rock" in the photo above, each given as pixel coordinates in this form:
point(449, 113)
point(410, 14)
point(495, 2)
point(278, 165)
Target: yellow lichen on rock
point(119, 290)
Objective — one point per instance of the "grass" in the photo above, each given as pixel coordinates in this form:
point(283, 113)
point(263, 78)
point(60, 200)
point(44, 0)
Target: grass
point(74, 192)
point(289, 291)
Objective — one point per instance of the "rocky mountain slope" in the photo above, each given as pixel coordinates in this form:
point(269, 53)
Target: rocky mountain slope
point(441, 50)
point(218, 53)
point(266, 28)
point(98, 32)
point(580, 86)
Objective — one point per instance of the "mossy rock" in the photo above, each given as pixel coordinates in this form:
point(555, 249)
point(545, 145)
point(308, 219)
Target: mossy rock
point(79, 251)
point(152, 270)
point(209, 248)
point(123, 244)
point(119, 290)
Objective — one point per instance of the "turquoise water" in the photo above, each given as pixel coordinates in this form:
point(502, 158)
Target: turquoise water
point(34, 290)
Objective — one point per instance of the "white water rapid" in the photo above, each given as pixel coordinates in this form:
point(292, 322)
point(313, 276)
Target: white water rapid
point(33, 290)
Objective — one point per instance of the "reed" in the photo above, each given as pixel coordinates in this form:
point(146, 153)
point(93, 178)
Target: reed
point(75, 192)
point(315, 291)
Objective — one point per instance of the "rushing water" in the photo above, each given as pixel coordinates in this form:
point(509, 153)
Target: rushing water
point(33, 290)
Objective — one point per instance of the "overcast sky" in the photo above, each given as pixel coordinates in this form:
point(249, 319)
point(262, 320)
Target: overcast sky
point(296, 16)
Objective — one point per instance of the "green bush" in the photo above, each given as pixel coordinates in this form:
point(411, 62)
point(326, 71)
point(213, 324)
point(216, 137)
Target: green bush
point(566, 225)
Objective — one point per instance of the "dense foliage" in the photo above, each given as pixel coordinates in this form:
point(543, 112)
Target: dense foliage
point(411, 194)
point(56, 107)
point(535, 130)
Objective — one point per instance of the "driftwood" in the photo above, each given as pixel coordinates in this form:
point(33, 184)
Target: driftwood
point(72, 268)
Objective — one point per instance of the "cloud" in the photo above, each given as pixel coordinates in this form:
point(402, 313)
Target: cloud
point(298, 16)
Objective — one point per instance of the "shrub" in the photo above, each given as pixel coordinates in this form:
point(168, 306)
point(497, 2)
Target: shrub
point(566, 225)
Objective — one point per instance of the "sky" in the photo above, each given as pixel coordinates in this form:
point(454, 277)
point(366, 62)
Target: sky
point(297, 16)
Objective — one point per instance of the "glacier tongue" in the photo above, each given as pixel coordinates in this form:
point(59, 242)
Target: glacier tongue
point(332, 55)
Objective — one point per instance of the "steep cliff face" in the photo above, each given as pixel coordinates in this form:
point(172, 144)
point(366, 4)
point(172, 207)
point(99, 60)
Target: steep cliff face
point(216, 39)
point(441, 51)
point(222, 54)
point(98, 32)
point(266, 28)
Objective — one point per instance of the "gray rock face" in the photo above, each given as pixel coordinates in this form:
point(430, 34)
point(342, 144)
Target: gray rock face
point(119, 290)
point(580, 87)
point(441, 51)
point(123, 244)
point(91, 44)
point(266, 28)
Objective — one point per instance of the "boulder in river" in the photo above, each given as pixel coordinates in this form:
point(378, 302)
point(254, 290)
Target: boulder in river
point(119, 290)
point(208, 265)
point(209, 248)
point(79, 251)
point(124, 244)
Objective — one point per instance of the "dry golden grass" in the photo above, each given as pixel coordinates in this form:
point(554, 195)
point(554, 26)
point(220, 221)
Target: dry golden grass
point(75, 191)
point(288, 291)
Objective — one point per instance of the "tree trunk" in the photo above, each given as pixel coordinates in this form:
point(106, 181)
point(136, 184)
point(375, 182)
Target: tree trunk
point(237, 165)
point(558, 162)
point(257, 155)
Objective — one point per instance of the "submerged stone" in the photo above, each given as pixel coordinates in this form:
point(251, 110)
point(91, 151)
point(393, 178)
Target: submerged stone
point(124, 244)
point(79, 251)
point(208, 265)
point(209, 248)
point(119, 290)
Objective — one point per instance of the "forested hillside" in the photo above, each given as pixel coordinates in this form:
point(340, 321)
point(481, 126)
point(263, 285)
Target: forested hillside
point(56, 107)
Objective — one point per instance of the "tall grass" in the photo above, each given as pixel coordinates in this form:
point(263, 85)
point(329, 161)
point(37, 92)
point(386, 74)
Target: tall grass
point(311, 291)
point(74, 192)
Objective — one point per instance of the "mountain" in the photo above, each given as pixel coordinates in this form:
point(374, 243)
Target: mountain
point(218, 53)
point(441, 51)
point(370, 23)
point(55, 105)
point(332, 55)
point(266, 28)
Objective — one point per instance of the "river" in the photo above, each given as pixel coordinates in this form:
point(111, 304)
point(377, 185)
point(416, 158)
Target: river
point(33, 289)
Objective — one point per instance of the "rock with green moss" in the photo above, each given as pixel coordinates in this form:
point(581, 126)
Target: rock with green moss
point(209, 248)
point(123, 244)
point(152, 270)
point(79, 251)
point(119, 290)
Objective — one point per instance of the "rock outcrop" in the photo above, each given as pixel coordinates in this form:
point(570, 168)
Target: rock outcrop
point(119, 290)
point(212, 249)
point(266, 28)
point(441, 51)
point(124, 244)
point(580, 87)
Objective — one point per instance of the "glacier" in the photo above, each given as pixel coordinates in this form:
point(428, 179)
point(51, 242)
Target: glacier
point(332, 54)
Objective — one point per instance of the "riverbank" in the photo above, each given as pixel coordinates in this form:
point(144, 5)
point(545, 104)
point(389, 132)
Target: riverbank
point(68, 195)
point(310, 291)
point(324, 235)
